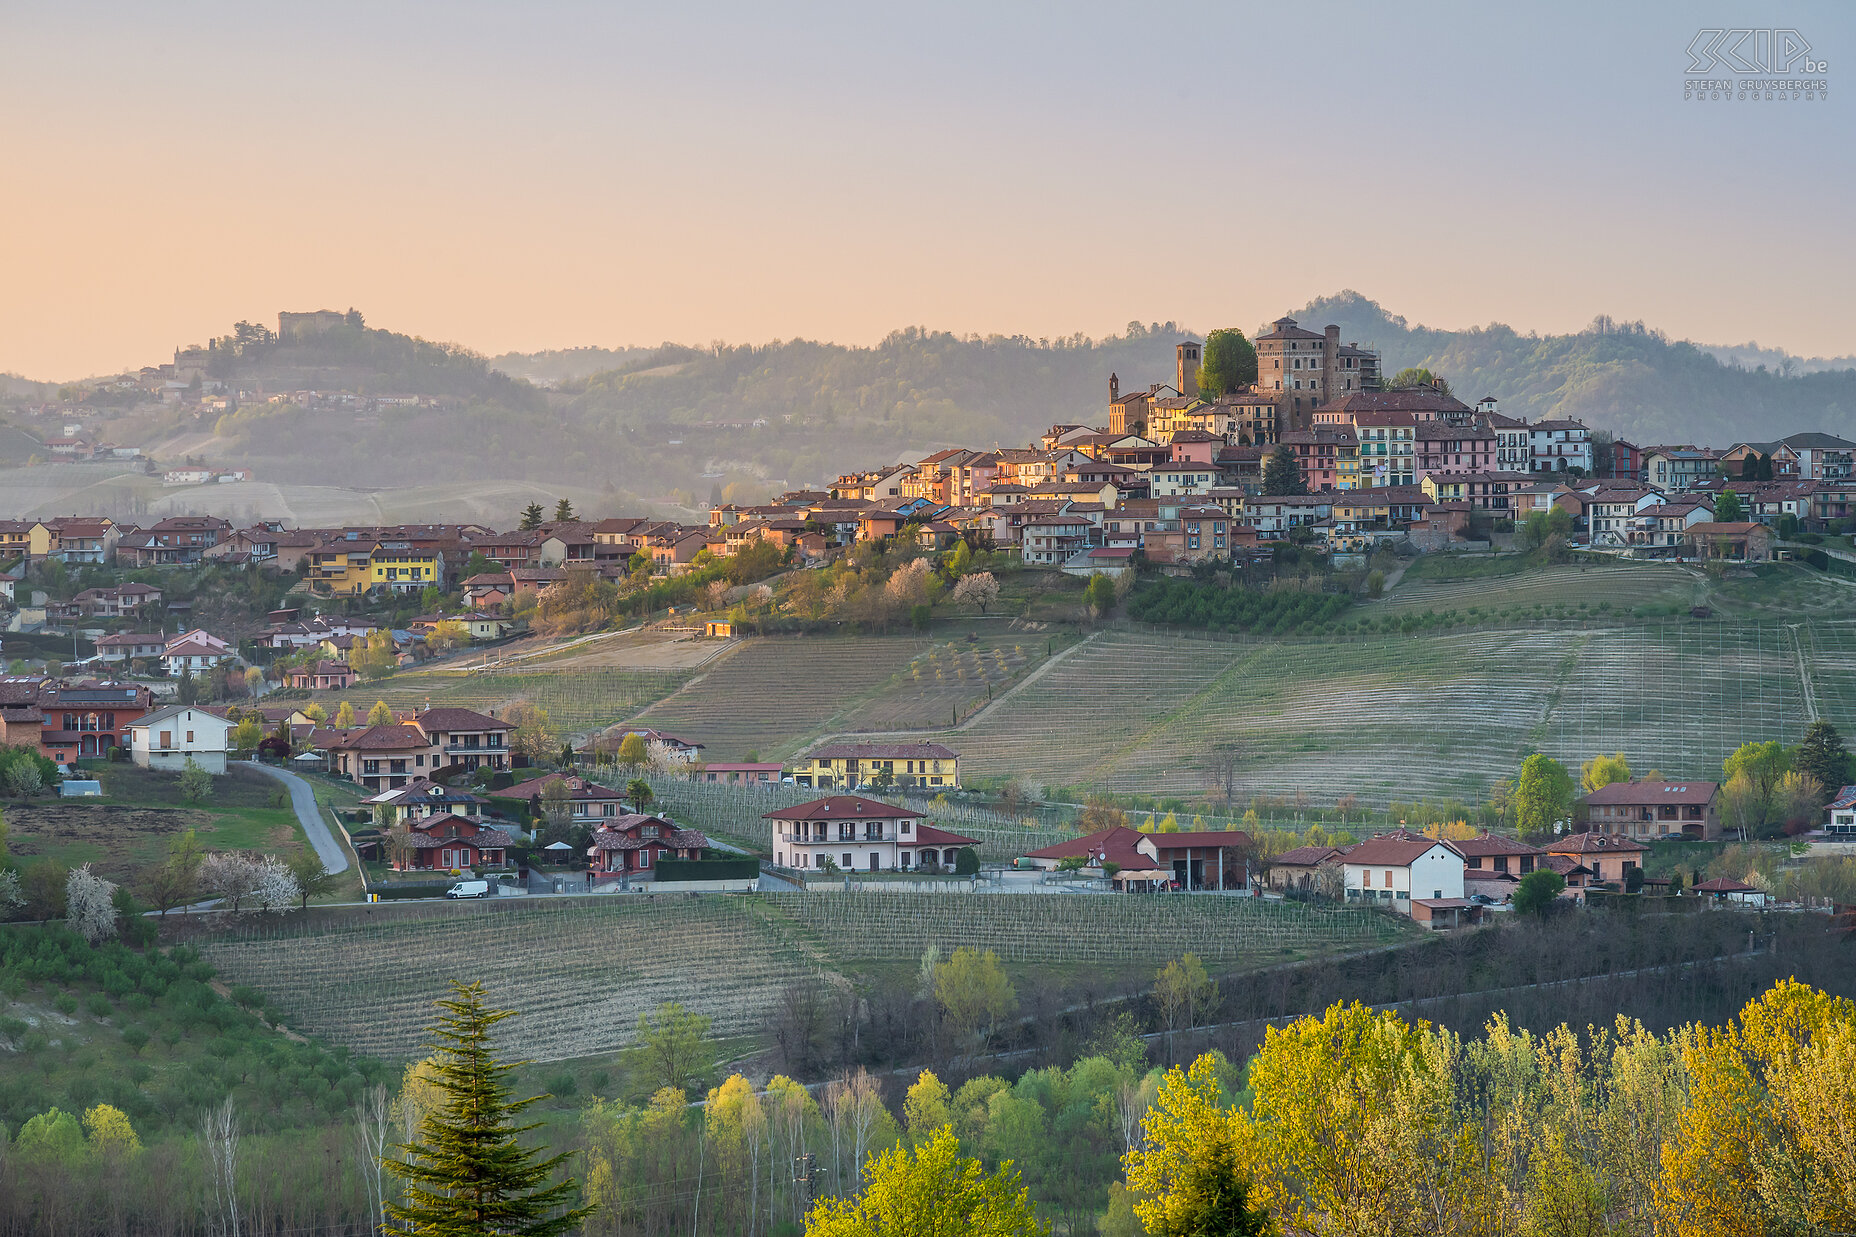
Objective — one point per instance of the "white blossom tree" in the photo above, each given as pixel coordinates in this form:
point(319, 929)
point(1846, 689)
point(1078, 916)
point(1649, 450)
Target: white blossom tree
point(979, 589)
point(276, 890)
point(87, 904)
point(10, 896)
point(230, 877)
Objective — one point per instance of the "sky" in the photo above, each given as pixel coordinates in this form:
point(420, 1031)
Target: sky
point(542, 175)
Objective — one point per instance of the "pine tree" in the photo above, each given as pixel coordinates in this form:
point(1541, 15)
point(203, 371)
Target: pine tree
point(1282, 474)
point(531, 517)
point(1824, 757)
point(468, 1173)
point(563, 511)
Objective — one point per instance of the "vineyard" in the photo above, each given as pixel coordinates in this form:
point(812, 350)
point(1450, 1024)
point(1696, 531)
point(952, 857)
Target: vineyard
point(581, 972)
point(1399, 717)
point(1623, 586)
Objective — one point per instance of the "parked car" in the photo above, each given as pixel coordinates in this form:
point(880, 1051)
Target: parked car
point(469, 889)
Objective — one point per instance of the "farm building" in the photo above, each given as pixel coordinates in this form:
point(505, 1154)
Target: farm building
point(1303, 867)
point(169, 738)
point(851, 765)
point(1209, 861)
point(858, 834)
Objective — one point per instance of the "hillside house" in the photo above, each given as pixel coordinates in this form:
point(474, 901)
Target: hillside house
point(1734, 542)
point(850, 765)
point(583, 802)
point(169, 738)
point(633, 844)
point(323, 676)
point(379, 757)
point(131, 646)
point(1726, 889)
point(195, 652)
point(1488, 853)
point(1840, 815)
point(1649, 810)
point(1303, 868)
point(1410, 874)
point(89, 718)
point(864, 835)
point(456, 844)
point(1610, 857)
point(758, 772)
point(465, 739)
point(423, 799)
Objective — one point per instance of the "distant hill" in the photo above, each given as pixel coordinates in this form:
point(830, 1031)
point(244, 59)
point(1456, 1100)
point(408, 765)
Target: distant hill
point(563, 364)
point(1619, 376)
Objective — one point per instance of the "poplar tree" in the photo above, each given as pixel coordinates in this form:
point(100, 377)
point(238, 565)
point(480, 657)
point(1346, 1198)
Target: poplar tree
point(469, 1173)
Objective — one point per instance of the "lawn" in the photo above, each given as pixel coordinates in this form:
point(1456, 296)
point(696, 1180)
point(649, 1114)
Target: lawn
point(141, 810)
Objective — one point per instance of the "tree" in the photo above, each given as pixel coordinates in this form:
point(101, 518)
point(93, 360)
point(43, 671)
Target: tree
point(467, 1170)
point(380, 714)
point(1742, 806)
point(925, 1108)
point(1727, 508)
point(633, 752)
point(1412, 377)
point(1281, 474)
point(1183, 990)
point(1542, 795)
point(930, 1189)
point(1184, 1173)
point(344, 715)
point(966, 862)
point(672, 1050)
point(196, 784)
point(1763, 764)
point(1822, 755)
point(534, 736)
point(532, 517)
point(231, 877)
point(1227, 363)
point(110, 1132)
point(188, 691)
point(375, 657)
point(1543, 527)
point(1537, 891)
point(978, 589)
point(1601, 771)
point(1099, 594)
point(247, 735)
point(973, 992)
point(316, 714)
point(312, 877)
point(447, 635)
point(88, 905)
point(557, 808)
point(563, 511)
point(639, 792)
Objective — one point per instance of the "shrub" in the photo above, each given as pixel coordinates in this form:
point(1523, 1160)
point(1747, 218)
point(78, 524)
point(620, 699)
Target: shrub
point(561, 1085)
point(99, 1006)
point(66, 1003)
point(135, 1038)
point(966, 863)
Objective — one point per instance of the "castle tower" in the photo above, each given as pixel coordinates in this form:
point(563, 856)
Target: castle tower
point(1188, 369)
point(1114, 388)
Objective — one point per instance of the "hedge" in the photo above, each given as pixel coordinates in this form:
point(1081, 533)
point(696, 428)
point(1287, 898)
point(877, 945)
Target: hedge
point(707, 869)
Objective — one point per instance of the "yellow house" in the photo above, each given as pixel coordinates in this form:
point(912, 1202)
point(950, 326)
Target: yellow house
point(353, 568)
point(1351, 511)
point(853, 765)
point(1347, 468)
point(1448, 488)
point(405, 570)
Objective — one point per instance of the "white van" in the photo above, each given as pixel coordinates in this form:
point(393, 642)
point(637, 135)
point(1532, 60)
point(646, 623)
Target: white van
point(469, 889)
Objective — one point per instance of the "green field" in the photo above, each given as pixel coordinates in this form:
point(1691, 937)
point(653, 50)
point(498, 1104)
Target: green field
point(579, 700)
point(129, 828)
point(581, 972)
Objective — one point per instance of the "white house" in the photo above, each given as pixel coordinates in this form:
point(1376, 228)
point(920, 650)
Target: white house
point(1408, 873)
point(858, 834)
point(128, 646)
point(195, 651)
point(1840, 819)
point(167, 738)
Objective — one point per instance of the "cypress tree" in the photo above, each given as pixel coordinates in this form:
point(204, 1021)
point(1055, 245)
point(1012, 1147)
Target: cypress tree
point(468, 1173)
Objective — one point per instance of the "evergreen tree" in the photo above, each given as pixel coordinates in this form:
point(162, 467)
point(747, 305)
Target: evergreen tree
point(1281, 474)
point(532, 516)
point(1824, 756)
point(468, 1173)
point(563, 511)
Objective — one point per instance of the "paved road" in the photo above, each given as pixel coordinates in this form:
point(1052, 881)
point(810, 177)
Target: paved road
point(309, 814)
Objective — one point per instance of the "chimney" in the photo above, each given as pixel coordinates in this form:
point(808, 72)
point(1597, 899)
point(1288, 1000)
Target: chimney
point(1188, 369)
point(1114, 388)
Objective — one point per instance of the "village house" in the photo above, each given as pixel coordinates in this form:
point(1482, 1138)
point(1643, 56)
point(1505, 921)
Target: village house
point(178, 541)
point(169, 738)
point(759, 772)
point(863, 835)
point(1840, 815)
point(195, 652)
point(87, 718)
point(584, 802)
point(1410, 874)
point(381, 757)
point(1649, 810)
point(131, 646)
point(449, 843)
point(850, 765)
point(1726, 889)
point(464, 739)
point(1739, 542)
point(634, 844)
point(1304, 869)
point(422, 799)
point(323, 676)
point(1609, 857)
point(1488, 853)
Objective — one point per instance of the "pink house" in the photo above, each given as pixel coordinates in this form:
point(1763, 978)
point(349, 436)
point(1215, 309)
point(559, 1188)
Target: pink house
point(1195, 447)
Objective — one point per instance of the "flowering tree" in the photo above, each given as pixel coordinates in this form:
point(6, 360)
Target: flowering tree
point(230, 877)
point(979, 589)
point(276, 890)
point(87, 905)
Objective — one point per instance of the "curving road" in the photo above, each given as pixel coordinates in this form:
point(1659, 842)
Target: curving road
point(309, 815)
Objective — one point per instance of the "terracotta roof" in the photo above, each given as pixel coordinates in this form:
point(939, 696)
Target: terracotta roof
point(935, 836)
point(844, 807)
point(1398, 848)
point(1489, 844)
point(1306, 857)
point(447, 830)
point(459, 719)
point(1722, 884)
point(1589, 843)
point(392, 736)
point(577, 788)
point(1699, 794)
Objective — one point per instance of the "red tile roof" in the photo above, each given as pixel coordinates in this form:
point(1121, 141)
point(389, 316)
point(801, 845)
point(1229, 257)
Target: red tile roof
point(1698, 794)
point(1593, 844)
point(844, 807)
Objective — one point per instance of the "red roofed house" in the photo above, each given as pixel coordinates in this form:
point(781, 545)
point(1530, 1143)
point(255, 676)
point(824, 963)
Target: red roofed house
point(1410, 874)
point(865, 835)
point(452, 844)
point(1152, 860)
point(1652, 809)
point(378, 757)
point(587, 802)
point(1609, 856)
point(1723, 889)
point(1492, 854)
point(1840, 815)
point(743, 771)
point(633, 844)
point(1302, 868)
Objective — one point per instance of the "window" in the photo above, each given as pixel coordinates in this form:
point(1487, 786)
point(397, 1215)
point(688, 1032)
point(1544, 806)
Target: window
point(849, 861)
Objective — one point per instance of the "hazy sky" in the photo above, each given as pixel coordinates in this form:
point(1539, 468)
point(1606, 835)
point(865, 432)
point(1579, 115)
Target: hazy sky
point(544, 174)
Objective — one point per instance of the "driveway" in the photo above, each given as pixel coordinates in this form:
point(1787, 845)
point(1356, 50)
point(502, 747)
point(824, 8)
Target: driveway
point(309, 815)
